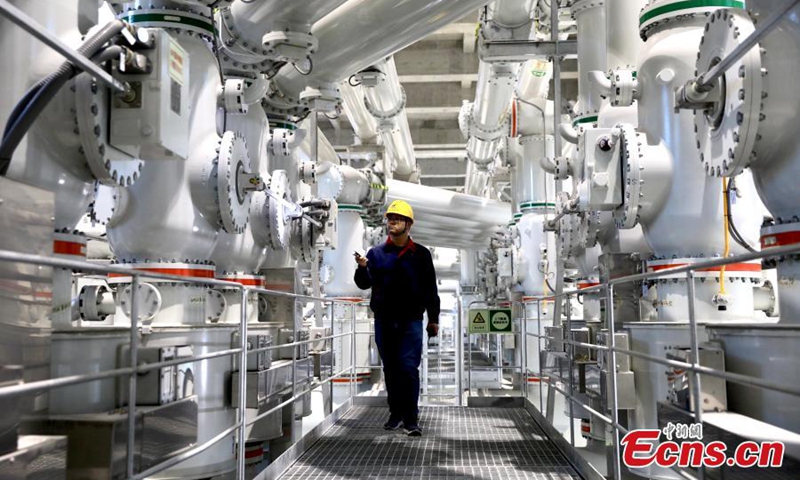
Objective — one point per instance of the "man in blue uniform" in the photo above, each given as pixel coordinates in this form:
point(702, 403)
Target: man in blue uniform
point(403, 281)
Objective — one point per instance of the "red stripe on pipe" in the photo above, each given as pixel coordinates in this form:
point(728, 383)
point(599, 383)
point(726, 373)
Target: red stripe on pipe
point(62, 247)
point(181, 272)
point(780, 239)
point(734, 267)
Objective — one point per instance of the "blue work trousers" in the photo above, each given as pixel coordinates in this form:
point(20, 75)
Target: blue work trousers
point(400, 346)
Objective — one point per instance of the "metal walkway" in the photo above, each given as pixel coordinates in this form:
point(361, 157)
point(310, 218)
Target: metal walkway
point(457, 443)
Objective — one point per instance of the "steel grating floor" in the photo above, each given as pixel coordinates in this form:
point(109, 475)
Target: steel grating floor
point(458, 443)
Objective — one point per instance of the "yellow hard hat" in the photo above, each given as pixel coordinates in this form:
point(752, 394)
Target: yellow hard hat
point(400, 207)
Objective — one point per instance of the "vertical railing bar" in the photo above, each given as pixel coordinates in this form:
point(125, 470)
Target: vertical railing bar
point(617, 467)
point(539, 352)
point(524, 343)
point(353, 371)
point(333, 358)
point(458, 336)
point(295, 351)
point(571, 364)
point(132, 386)
point(240, 465)
point(694, 376)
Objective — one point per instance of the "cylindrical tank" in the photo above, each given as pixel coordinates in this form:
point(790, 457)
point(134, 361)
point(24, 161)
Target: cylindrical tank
point(695, 201)
point(49, 156)
point(590, 16)
point(161, 201)
point(338, 266)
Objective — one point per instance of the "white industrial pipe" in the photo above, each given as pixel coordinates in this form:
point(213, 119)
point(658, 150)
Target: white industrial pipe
point(450, 204)
point(180, 232)
point(338, 267)
point(356, 35)
point(385, 100)
point(58, 166)
point(591, 19)
point(256, 34)
point(623, 40)
point(324, 152)
point(363, 123)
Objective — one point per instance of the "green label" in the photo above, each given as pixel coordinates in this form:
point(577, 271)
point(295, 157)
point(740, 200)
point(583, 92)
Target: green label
point(494, 320)
point(500, 320)
point(479, 321)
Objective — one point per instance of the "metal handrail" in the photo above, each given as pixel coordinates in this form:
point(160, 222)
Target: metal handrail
point(137, 276)
point(697, 369)
point(705, 264)
point(734, 377)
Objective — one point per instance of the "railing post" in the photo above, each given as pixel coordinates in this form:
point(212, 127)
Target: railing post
point(242, 414)
point(694, 376)
point(571, 363)
point(524, 343)
point(134, 360)
point(617, 467)
point(458, 336)
point(353, 371)
point(539, 352)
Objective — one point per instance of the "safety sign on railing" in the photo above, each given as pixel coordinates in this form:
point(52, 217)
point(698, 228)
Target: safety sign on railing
point(490, 320)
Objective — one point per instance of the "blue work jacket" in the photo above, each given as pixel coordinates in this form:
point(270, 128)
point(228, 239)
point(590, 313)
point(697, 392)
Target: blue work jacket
point(403, 282)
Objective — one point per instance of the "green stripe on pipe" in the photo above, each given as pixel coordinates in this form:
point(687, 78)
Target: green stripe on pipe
point(579, 121)
point(353, 208)
point(527, 205)
point(284, 125)
point(173, 17)
point(688, 4)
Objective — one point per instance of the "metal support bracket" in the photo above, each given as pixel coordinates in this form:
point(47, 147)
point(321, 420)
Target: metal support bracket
point(522, 50)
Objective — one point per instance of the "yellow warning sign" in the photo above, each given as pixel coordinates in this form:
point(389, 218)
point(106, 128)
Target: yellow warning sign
point(478, 321)
point(490, 320)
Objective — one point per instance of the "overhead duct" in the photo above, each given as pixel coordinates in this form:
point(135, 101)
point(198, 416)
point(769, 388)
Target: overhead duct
point(255, 35)
point(450, 204)
point(350, 41)
point(363, 123)
point(385, 100)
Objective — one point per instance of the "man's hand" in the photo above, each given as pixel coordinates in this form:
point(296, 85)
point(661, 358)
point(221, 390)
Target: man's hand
point(432, 329)
point(361, 261)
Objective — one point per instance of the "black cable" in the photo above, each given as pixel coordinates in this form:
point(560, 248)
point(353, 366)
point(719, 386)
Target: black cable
point(39, 98)
point(350, 81)
point(276, 68)
point(735, 234)
point(307, 72)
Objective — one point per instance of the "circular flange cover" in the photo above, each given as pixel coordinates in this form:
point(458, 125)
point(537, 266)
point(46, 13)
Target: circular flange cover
point(726, 133)
point(627, 215)
point(109, 165)
point(234, 202)
point(278, 226)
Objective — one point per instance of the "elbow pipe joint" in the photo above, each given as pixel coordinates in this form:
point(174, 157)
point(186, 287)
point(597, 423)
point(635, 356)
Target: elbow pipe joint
point(559, 167)
point(600, 83)
point(568, 133)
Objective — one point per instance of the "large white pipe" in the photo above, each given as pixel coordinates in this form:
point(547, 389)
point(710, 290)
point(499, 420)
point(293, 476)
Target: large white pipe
point(357, 34)
point(385, 100)
point(353, 103)
point(338, 265)
point(622, 34)
point(163, 202)
point(255, 34)
point(56, 166)
point(469, 267)
point(511, 13)
point(446, 203)
point(489, 111)
point(324, 152)
point(254, 18)
point(591, 19)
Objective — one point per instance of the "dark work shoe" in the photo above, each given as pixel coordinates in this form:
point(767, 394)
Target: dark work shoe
point(393, 423)
point(413, 430)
